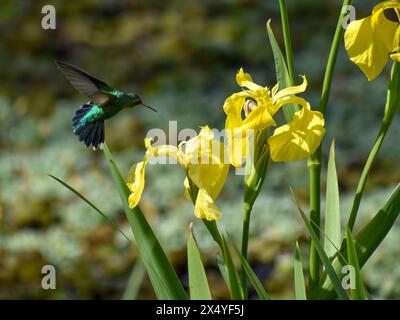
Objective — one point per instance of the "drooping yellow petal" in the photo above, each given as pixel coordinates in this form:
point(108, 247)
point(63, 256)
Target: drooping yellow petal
point(205, 208)
point(135, 183)
point(390, 4)
point(290, 91)
point(258, 119)
point(370, 40)
point(299, 138)
point(233, 105)
point(288, 100)
point(245, 80)
point(236, 148)
point(206, 166)
point(164, 151)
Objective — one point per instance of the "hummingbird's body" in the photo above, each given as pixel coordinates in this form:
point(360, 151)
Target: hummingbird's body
point(105, 102)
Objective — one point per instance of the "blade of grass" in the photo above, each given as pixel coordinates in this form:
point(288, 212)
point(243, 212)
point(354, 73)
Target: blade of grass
point(358, 293)
point(163, 278)
point(366, 241)
point(282, 73)
point(332, 210)
point(299, 283)
point(66, 185)
point(322, 255)
point(255, 281)
point(134, 282)
point(198, 284)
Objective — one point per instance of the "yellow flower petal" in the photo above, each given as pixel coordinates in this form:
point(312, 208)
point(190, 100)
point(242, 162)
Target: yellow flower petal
point(258, 119)
point(370, 40)
point(164, 151)
point(290, 91)
point(288, 100)
point(205, 162)
point(136, 183)
point(236, 146)
point(205, 208)
point(299, 138)
point(186, 191)
point(245, 80)
point(395, 57)
point(233, 105)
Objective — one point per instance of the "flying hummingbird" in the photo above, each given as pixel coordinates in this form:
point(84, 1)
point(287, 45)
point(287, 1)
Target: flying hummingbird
point(105, 102)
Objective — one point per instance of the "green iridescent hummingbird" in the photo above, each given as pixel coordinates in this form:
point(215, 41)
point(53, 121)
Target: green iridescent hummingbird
point(105, 102)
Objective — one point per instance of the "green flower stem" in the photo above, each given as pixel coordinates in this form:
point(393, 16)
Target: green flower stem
point(390, 110)
point(245, 243)
point(287, 40)
point(253, 183)
point(315, 159)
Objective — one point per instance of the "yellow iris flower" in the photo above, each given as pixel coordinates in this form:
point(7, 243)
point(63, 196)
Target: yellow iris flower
point(202, 158)
point(370, 41)
point(293, 141)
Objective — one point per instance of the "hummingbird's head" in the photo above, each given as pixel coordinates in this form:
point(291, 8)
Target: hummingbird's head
point(133, 99)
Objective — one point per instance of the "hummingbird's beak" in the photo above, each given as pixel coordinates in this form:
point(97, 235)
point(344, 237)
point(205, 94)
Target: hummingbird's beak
point(148, 107)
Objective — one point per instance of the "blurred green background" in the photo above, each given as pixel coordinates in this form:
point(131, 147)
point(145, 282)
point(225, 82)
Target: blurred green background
point(181, 57)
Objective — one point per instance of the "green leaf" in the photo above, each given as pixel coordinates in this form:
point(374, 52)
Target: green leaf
point(223, 269)
point(258, 286)
point(163, 278)
point(227, 267)
point(322, 255)
point(233, 275)
point(332, 210)
point(198, 284)
point(299, 283)
point(134, 282)
point(359, 292)
point(282, 74)
point(366, 241)
point(90, 204)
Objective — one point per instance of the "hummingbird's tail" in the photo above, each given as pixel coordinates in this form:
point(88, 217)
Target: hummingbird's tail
point(90, 131)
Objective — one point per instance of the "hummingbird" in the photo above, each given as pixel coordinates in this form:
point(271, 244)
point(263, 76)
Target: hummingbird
point(105, 102)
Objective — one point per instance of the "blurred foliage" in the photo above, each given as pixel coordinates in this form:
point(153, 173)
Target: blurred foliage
point(181, 57)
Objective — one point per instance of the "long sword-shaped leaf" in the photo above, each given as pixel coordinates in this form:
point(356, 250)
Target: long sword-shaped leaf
point(322, 255)
point(332, 210)
point(163, 278)
point(299, 283)
point(359, 292)
point(226, 265)
point(251, 275)
point(282, 74)
point(90, 204)
point(233, 275)
point(366, 241)
point(198, 284)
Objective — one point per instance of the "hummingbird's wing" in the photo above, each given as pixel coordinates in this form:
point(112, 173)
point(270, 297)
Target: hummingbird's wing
point(98, 91)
